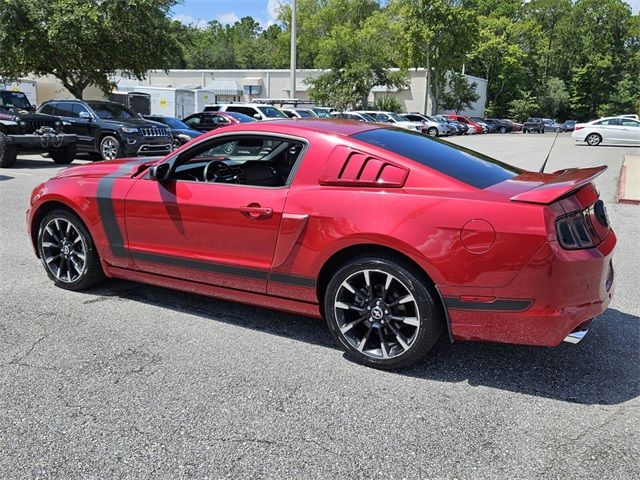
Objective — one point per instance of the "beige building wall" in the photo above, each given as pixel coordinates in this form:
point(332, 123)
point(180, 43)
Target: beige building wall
point(247, 83)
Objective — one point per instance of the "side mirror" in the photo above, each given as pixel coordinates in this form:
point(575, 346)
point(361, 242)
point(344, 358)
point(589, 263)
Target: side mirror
point(257, 116)
point(85, 115)
point(159, 172)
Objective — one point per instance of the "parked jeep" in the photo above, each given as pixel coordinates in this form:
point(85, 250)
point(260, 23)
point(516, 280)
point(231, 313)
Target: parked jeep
point(21, 130)
point(109, 130)
point(533, 124)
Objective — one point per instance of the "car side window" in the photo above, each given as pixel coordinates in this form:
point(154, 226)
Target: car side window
point(195, 120)
point(627, 122)
point(65, 109)
point(78, 108)
point(246, 110)
point(265, 161)
point(48, 109)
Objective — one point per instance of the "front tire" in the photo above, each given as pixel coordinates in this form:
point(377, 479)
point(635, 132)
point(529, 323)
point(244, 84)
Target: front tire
point(593, 139)
point(110, 148)
point(64, 155)
point(8, 152)
point(432, 132)
point(503, 129)
point(381, 312)
point(67, 251)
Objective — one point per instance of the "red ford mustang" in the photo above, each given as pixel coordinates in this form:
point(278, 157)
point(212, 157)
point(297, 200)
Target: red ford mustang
point(391, 236)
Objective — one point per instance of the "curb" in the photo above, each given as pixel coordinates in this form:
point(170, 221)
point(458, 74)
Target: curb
point(624, 177)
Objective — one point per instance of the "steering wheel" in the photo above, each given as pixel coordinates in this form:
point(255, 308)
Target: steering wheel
point(215, 171)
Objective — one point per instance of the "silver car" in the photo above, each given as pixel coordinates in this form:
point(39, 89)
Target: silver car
point(434, 127)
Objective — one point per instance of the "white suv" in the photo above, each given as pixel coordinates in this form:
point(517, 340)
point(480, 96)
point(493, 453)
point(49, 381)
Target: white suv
point(394, 118)
point(258, 111)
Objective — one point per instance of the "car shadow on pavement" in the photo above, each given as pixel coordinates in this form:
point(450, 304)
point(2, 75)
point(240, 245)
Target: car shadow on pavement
point(603, 369)
point(45, 163)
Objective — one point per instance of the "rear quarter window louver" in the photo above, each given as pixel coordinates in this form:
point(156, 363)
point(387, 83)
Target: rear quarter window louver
point(348, 167)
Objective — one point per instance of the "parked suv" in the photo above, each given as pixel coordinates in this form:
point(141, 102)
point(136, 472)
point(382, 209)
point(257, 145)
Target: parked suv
point(22, 130)
point(110, 130)
point(259, 111)
point(533, 124)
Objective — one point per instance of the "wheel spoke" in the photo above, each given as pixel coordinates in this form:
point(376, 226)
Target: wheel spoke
point(383, 345)
point(75, 264)
point(348, 326)
point(348, 306)
point(349, 287)
point(401, 300)
point(413, 321)
point(364, 339)
point(80, 255)
point(50, 245)
point(401, 340)
point(51, 259)
point(50, 232)
point(77, 240)
point(68, 230)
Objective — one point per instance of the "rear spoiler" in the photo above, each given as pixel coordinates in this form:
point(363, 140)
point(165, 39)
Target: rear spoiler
point(561, 184)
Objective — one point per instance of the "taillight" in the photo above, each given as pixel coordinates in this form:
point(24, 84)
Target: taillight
point(575, 230)
point(578, 128)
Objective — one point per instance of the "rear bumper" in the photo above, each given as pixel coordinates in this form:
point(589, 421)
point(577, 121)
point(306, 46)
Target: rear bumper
point(557, 294)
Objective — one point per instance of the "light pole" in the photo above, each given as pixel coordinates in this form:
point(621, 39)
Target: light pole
point(292, 88)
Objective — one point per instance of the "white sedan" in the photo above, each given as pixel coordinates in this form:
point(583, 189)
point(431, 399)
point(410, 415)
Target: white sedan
point(610, 130)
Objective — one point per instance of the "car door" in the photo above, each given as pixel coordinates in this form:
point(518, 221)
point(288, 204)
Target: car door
point(630, 130)
point(222, 234)
point(194, 121)
point(73, 123)
point(84, 126)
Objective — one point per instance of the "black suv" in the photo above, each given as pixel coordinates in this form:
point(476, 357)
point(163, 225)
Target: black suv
point(109, 130)
point(23, 130)
point(533, 124)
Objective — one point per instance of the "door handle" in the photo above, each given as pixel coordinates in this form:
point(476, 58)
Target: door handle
point(255, 211)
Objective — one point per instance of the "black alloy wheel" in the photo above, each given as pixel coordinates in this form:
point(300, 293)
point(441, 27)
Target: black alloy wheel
point(67, 251)
point(381, 312)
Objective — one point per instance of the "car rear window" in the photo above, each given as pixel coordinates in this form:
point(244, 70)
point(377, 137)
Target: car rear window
point(470, 167)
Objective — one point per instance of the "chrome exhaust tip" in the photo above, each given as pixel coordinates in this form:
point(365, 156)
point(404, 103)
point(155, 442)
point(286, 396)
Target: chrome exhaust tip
point(575, 337)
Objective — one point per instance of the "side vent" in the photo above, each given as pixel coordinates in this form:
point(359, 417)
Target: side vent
point(348, 167)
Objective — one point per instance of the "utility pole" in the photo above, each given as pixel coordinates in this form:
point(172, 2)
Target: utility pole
point(292, 88)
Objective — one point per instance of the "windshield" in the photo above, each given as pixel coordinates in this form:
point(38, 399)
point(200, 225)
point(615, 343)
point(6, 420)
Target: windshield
point(112, 111)
point(14, 100)
point(272, 112)
point(397, 117)
point(171, 122)
point(305, 114)
point(321, 113)
point(470, 167)
point(241, 117)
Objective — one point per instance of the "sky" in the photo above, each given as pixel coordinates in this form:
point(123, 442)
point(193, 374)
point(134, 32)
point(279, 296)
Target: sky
point(199, 12)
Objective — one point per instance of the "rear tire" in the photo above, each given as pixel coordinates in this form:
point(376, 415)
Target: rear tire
point(67, 251)
point(381, 312)
point(8, 152)
point(593, 139)
point(64, 155)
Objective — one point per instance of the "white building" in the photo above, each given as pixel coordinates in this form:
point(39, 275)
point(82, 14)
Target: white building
point(246, 85)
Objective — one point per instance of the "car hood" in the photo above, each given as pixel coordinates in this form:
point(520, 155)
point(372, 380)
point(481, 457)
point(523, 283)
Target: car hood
point(546, 188)
point(134, 122)
point(124, 167)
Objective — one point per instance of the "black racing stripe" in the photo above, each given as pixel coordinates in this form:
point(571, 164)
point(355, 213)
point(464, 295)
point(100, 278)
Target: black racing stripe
point(498, 305)
point(201, 265)
point(116, 242)
point(292, 280)
point(107, 212)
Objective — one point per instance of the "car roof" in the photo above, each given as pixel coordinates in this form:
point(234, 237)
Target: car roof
point(342, 127)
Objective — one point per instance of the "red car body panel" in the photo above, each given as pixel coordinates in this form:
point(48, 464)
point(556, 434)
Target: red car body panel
point(492, 253)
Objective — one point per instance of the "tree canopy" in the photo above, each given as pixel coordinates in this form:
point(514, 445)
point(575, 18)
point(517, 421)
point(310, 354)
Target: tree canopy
point(554, 58)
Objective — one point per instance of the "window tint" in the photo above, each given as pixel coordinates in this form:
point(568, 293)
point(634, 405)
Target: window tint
point(610, 121)
point(77, 108)
point(65, 109)
point(14, 100)
point(212, 108)
point(272, 112)
point(630, 123)
point(47, 109)
point(457, 162)
point(245, 110)
point(194, 120)
point(289, 114)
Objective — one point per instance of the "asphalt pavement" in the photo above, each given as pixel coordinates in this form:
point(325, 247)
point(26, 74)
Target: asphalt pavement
point(128, 380)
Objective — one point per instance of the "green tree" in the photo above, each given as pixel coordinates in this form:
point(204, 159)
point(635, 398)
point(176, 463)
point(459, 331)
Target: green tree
point(460, 94)
point(357, 59)
point(523, 107)
point(83, 42)
point(554, 98)
point(433, 34)
point(388, 103)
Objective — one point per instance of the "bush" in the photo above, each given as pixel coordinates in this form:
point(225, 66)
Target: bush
point(388, 103)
